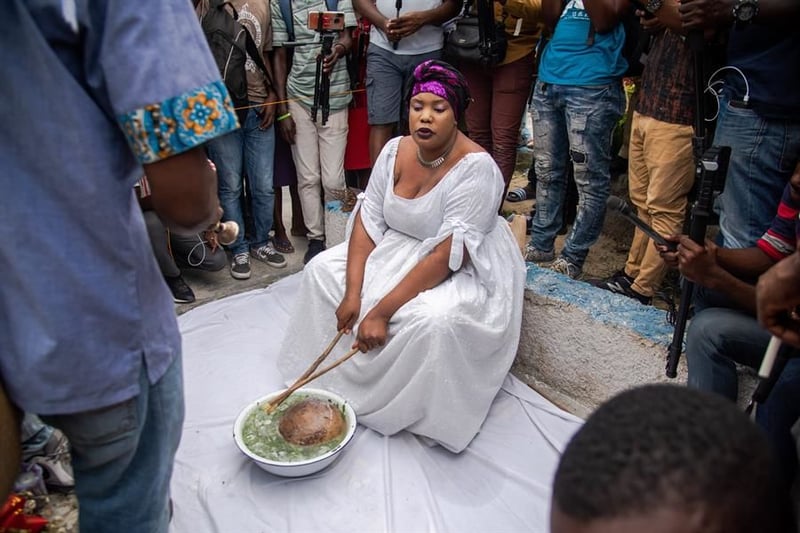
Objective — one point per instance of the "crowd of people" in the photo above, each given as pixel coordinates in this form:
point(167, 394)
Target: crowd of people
point(427, 259)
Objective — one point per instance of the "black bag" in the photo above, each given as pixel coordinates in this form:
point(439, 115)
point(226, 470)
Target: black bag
point(230, 44)
point(477, 40)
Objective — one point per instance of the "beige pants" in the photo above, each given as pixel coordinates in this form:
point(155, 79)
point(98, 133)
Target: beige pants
point(660, 175)
point(318, 153)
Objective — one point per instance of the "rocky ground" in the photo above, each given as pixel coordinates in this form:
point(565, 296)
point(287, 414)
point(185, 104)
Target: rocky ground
point(605, 257)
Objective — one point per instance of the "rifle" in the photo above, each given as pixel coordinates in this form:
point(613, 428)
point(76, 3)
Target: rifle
point(711, 166)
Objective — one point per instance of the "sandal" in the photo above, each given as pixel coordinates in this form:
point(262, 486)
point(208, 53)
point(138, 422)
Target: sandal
point(520, 194)
point(283, 246)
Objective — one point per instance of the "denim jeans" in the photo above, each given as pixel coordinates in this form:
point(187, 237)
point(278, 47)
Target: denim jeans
point(719, 337)
point(763, 156)
point(249, 150)
point(122, 456)
point(581, 120)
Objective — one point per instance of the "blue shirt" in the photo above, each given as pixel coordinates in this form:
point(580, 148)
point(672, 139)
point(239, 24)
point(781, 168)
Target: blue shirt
point(91, 89)
point(569, 60)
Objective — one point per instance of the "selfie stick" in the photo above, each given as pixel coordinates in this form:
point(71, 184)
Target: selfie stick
point(398, 4)
point(618, 204)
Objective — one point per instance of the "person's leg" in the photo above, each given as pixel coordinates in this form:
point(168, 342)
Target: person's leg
point(668, 152)
point(332, 143)
point(591, 114)
point(479, 112)
point(299, 228)
point(123, 456)
point(779, 413)
point(549, 154)
point(716, 339)
point(511, 86)
point(384, 86)
point(259, 154)
point(638, 180)
point(309, 178)
point(763, 156)
point(159, 240)
point(228, 156)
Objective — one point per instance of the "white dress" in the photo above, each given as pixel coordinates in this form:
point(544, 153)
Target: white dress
point(448, 349)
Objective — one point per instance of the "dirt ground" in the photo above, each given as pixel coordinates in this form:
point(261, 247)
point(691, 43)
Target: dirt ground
point(607, 256)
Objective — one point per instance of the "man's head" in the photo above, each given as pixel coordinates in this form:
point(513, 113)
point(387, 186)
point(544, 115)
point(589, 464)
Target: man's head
point(663, 458)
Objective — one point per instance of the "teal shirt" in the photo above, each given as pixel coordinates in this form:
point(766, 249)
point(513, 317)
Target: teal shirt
point(569, 60)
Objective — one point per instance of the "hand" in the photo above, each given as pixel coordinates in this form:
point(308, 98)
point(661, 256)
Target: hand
point(705, 13)
point(211, 238)
point(697, 263)
point(347, 313)
point(777, 296)
point(287, 129)
point(328, 62)
point(267, 112)
point(405, 25)
point(372, 332)
point(669, 256)
point(650, 23)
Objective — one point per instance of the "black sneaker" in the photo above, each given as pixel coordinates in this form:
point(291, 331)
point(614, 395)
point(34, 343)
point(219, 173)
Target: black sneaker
point(268, 255)
point(181, 292)
point(315, 246)
point(240, 268)
point(621, 283)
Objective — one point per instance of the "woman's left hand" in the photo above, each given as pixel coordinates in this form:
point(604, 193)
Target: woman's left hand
point(372, 332)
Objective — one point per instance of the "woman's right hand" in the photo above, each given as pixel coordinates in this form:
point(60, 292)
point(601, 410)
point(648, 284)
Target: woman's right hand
point(347, 313)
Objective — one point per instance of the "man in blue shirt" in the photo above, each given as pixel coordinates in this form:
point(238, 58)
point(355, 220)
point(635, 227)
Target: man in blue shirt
point(577, 102)
point(91, 92)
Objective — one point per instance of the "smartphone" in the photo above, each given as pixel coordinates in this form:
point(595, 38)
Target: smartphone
point(326, 20)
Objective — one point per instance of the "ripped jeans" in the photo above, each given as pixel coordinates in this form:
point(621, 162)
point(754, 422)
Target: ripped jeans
point(581, 120)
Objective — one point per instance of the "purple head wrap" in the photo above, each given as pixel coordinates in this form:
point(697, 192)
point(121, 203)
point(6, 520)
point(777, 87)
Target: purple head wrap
point(443, 80)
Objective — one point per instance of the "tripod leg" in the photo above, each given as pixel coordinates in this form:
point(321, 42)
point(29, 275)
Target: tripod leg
point(318, 80)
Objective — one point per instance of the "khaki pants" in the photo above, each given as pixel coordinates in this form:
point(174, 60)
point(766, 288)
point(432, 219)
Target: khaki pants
point(660, 175)
point(318, 153)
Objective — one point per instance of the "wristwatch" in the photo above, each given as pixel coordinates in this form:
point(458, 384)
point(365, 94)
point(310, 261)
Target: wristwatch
point(744, 11)
point(653, 5)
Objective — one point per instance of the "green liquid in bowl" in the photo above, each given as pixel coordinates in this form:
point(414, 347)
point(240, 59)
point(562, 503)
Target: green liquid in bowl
point(261, 436)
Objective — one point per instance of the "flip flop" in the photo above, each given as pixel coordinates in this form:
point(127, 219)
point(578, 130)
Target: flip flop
point(519, 194)
point(283, 246)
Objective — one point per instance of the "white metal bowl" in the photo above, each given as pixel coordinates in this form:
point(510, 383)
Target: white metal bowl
point(306, 466)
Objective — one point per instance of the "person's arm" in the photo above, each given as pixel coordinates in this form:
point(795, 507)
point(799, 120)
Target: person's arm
point(428, 273)
point(777, 294)
point(409, 23)
point(551, 12)
point(184, 191)
point(668, 15)
point(715, 13)
point(605, 14)
point(268, 111)
point(367, 9)
point(339, 49)
point(359, 248)
point(714, 268)
point(285, 122)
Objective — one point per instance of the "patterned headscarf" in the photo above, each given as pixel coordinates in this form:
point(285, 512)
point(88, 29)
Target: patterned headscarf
point(443, 80)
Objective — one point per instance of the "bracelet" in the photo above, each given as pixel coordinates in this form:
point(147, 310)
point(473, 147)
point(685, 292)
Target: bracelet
point(283, 117)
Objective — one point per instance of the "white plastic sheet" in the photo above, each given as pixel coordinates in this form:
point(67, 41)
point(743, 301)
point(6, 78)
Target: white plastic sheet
point(500, 483)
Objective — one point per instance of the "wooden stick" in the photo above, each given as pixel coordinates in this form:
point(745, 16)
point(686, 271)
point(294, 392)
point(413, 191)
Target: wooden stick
point(278, 400)
point(271, 406)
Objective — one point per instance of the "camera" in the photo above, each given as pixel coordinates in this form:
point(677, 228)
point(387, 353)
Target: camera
point(326, 21)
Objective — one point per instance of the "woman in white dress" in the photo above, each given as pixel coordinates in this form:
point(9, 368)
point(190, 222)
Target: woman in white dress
point(429, 283)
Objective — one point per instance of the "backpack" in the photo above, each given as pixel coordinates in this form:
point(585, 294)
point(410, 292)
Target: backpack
point(231, 44)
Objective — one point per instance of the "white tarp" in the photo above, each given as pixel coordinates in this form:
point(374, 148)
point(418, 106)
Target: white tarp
point(500, 483)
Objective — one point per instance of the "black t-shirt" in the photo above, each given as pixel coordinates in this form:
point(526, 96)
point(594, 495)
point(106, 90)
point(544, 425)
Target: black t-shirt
point(770, 59)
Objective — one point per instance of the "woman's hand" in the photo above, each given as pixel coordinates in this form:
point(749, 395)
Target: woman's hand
point(372, 332)
point(347, 313)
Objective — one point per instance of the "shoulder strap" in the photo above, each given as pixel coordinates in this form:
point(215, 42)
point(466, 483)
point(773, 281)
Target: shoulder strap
point(255, 55)
point(288, 17)
point(332, 5)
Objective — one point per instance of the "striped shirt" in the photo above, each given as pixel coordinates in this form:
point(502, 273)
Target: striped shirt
point(300, 83)
point(780, 240)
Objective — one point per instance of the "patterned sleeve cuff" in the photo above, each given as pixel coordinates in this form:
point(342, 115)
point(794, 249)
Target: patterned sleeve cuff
point(161, 130)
